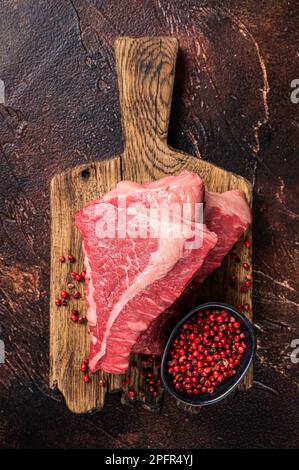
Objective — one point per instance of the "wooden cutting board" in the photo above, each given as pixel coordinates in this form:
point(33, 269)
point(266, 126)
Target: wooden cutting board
point(146, 69)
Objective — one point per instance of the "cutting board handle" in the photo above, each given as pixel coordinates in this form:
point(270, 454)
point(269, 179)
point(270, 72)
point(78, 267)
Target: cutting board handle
point(145, 68)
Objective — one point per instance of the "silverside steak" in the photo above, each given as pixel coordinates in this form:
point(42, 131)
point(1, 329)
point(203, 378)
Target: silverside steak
point(226, 214)
point(134, 275)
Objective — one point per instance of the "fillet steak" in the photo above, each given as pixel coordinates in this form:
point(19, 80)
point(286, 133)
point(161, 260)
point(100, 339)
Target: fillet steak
point(226, 214)
point(137, 269)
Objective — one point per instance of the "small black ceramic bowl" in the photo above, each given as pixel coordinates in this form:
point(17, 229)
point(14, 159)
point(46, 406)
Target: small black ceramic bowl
point(228, 386)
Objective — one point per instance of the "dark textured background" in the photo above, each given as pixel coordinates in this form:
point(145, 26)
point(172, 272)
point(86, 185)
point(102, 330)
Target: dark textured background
point(231, 103)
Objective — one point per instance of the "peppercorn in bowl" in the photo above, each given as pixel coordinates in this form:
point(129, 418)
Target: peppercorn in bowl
point(208, 354)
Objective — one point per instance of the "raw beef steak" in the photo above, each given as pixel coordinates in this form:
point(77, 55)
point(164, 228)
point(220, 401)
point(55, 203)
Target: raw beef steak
point(133, 276)
point(226, 214)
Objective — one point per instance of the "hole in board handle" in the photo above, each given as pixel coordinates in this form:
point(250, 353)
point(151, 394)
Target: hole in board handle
point(85, 174)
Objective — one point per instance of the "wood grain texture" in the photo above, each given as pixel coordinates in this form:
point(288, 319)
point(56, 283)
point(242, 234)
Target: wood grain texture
point(146, 69)
point(69, 342)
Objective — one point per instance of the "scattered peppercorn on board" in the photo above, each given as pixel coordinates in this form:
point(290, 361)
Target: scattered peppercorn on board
point(146, 68)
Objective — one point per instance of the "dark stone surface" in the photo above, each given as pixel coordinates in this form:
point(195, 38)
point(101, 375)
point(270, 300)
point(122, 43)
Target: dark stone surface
point(232, 103)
